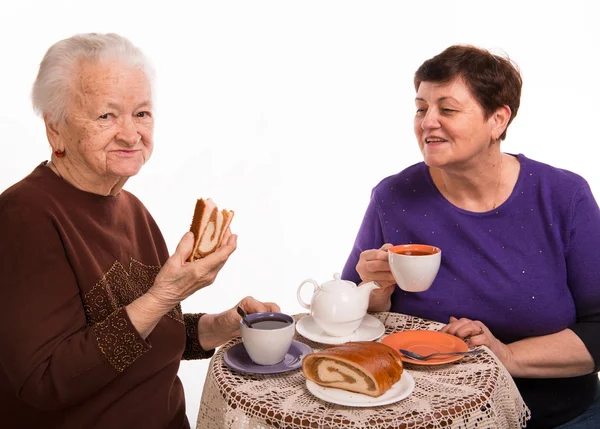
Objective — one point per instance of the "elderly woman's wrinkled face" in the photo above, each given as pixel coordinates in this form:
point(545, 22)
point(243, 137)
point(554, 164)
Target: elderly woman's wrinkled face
point(108, 132)
point(450, 124)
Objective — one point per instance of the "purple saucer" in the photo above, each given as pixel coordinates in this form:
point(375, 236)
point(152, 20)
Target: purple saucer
point(237, 358)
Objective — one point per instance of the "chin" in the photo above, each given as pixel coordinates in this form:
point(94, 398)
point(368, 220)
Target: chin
point(126, 165)
point(433, 161)
point(127, 171)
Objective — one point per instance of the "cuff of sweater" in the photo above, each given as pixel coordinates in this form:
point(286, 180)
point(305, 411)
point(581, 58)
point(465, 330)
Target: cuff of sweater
point(588, 333)
point(119, 341)
point(193, 349)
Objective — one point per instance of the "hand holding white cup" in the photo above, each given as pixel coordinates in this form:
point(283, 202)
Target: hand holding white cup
point(270, 337)
point(414, 266)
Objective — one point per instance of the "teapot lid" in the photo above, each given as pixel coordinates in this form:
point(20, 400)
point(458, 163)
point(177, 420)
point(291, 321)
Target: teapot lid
point(337, 283)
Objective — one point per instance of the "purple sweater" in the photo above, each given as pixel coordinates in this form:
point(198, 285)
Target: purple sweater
point(529, 267)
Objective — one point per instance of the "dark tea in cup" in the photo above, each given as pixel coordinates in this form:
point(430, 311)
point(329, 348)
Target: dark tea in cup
point(270, 324)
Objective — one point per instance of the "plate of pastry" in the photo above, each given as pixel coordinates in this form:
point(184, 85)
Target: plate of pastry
point(357, 374)
point(426, 342)
point(371, 328)
point(399, 390)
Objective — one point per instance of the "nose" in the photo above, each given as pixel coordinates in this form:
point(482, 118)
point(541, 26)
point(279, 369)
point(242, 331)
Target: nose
point(128, 132)
point(430, 120)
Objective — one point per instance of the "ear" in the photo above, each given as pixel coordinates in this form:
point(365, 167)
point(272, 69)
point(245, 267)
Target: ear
point(500, 120)
point(53, 133)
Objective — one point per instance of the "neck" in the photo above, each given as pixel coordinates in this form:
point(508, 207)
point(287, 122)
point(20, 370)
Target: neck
point(476, 189)
point(69, 173)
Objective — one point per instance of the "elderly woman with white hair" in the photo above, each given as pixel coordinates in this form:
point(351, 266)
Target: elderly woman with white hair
point(92, 331)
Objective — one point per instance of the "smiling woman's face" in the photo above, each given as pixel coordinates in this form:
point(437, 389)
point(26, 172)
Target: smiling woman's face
point(108, 131)
point(449, 124)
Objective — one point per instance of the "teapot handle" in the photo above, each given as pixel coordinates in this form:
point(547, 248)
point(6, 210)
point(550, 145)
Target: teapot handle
point(300, 300)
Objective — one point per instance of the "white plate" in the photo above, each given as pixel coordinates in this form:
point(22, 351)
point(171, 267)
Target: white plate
point(370, 329)
point(396, 393)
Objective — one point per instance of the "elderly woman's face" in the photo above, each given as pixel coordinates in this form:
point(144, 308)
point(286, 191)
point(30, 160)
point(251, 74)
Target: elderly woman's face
point(449, 124)
point(108, 132)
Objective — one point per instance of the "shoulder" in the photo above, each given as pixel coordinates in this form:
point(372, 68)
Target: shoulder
point(407, 180)
point(29, 194)
point(549, 172)
point(558, 181)
point(131, 200)
point(131, 207)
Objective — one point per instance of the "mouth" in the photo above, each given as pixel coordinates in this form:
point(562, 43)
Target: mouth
point(125, 152)
point(429, 140)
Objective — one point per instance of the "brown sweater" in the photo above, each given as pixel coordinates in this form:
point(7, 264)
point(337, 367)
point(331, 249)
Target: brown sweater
point(69, 356)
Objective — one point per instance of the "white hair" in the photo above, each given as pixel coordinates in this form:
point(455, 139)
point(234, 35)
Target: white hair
point(51, 90)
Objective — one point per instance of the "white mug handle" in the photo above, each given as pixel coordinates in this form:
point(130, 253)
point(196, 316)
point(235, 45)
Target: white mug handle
point(300, 300)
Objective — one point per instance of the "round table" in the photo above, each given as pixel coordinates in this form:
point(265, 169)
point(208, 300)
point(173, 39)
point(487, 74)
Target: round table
point(474, 392)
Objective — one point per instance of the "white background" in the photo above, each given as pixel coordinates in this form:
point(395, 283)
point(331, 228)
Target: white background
point(289, 113)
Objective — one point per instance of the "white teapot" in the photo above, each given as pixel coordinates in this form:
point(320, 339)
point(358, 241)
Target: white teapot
point(338, 306)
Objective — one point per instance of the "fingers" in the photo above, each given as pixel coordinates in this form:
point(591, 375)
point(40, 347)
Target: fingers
point(271, 306)
point(377, 265)
point(184, 248)
point(178, 279)
point(220, 256)
point(373, 265)
point(205, 270)
point(226, 236)
point(385, 289)
point(251, 305)
point(376, 254)
point(386, 246)
point(466, 329)
point(227, 247)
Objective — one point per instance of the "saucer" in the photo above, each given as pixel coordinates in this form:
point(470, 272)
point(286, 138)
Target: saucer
point(370, 329)
point(237, 358)
point(426, 342)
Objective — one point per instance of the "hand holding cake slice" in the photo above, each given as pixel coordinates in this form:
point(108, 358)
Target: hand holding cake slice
point(209, 225)
point(363, 367)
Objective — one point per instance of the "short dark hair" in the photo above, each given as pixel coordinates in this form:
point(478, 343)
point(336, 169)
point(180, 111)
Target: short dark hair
point(493, 80)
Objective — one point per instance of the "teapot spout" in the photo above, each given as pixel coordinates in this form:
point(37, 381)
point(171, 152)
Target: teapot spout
point(366, 288)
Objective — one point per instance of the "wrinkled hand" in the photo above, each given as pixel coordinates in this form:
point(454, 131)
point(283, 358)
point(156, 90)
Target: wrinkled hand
point(475, 333)
point(217, 329)
point(179, 279)
point(373, 265)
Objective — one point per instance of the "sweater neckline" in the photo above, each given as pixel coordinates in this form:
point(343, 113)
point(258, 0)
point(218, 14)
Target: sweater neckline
point(522, 160)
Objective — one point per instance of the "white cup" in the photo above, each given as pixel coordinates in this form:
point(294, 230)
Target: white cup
point(269, 338)
point(414, 266)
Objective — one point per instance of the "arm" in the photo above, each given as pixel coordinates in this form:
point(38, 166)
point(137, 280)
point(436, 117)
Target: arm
point(52, 356)
point(571, 352)
point(574, 351)
point(177, 280)
point(562, 354)
point(368, 260)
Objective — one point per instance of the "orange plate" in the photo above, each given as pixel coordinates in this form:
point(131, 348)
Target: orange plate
point(426, 342)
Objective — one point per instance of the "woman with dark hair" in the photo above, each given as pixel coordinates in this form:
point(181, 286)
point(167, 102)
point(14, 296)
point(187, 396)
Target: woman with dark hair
point(519, 270)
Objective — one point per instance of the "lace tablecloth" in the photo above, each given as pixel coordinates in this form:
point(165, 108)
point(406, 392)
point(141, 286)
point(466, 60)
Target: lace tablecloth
point(475, 392)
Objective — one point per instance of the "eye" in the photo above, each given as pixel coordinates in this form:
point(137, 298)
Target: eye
point(421, 111)
point(143, 114)
point(448, 110)
point(105, 116)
